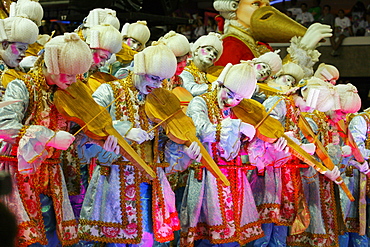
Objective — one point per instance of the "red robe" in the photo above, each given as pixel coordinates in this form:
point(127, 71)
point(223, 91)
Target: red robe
point(235, 50)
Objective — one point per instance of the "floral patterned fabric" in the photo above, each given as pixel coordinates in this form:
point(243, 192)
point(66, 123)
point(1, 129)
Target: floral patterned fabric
point(47, 177)
point(211, 210)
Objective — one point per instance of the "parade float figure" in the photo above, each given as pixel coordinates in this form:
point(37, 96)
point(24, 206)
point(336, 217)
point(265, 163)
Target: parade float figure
point(328, 73)
point(321, 193)
point(211, 213)
point(205, 51)
point(121, 205)
point(17, 33)
point(134, 38)
point(180, 46)
point(246, 33)
point(355, 179)
point(33, 134)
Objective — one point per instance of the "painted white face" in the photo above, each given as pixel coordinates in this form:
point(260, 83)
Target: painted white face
point(63, 81)
point(263, 71)
point(100, 56)
point(148, 83)
point(207, 55)
point(227, 98)
point(246, 9)
point(285, 80)
point(133, 44)
point(13, 53)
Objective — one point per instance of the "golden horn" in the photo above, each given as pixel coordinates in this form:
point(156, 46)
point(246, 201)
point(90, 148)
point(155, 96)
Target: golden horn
point(270, 25)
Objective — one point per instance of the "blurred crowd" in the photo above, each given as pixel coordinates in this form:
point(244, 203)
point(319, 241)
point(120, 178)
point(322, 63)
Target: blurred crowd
point(355, 22)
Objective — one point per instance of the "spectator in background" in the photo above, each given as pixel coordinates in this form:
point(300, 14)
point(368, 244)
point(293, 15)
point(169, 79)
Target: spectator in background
point(305, 18)
point(289, 14)
point(293, 8)
point(367, 24)
point(327, 17)
point(342, 29)
point(358, 13)
point(315, 10)
point(211, 25)
point(199, 29)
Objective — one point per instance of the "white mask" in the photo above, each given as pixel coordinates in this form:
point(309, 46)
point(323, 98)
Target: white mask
point(207, 55)
point(263, 71)
point(13, 53)
point(133, 44)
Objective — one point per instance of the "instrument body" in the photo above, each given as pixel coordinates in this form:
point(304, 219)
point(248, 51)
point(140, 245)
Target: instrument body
point(321, 152)
point(160, 104)
point(252, 112)
point(76, 104)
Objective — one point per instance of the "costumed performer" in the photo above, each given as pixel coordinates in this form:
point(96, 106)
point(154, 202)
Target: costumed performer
point(33, 134)
point(354, 213)
point(122, 207)
point(180, 46)
point(16, 33)
point(322, 195)
point(205, 51)
point(213, 214)
point(134, 38)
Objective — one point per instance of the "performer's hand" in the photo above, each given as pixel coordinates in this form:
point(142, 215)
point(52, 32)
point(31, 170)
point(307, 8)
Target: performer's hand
point(248, 130)
point(314, 34)
point(138, 135)
point(364, 167)
point(62, 140)
point(332, 174)
point(281, 145)
point(193, 151)
point(111, 144)
point(310, 148)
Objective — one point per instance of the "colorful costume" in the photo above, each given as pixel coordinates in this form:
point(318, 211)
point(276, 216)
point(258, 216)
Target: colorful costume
point(211, 210)
point(26, 127)
point(120, 189)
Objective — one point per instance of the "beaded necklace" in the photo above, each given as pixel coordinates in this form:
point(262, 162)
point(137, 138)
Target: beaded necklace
point(130, 106)
point(200, 77)
point(324, 131)
point(292, 114)
point(41, 109)
point(214, 112)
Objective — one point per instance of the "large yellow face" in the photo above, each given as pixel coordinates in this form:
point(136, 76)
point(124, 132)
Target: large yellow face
point(246, 8)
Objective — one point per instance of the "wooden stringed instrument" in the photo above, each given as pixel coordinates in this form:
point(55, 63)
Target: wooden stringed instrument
point(184, 96)
point(346, 134)
point(160, 104)
point(76, 104)
point(252, 112)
